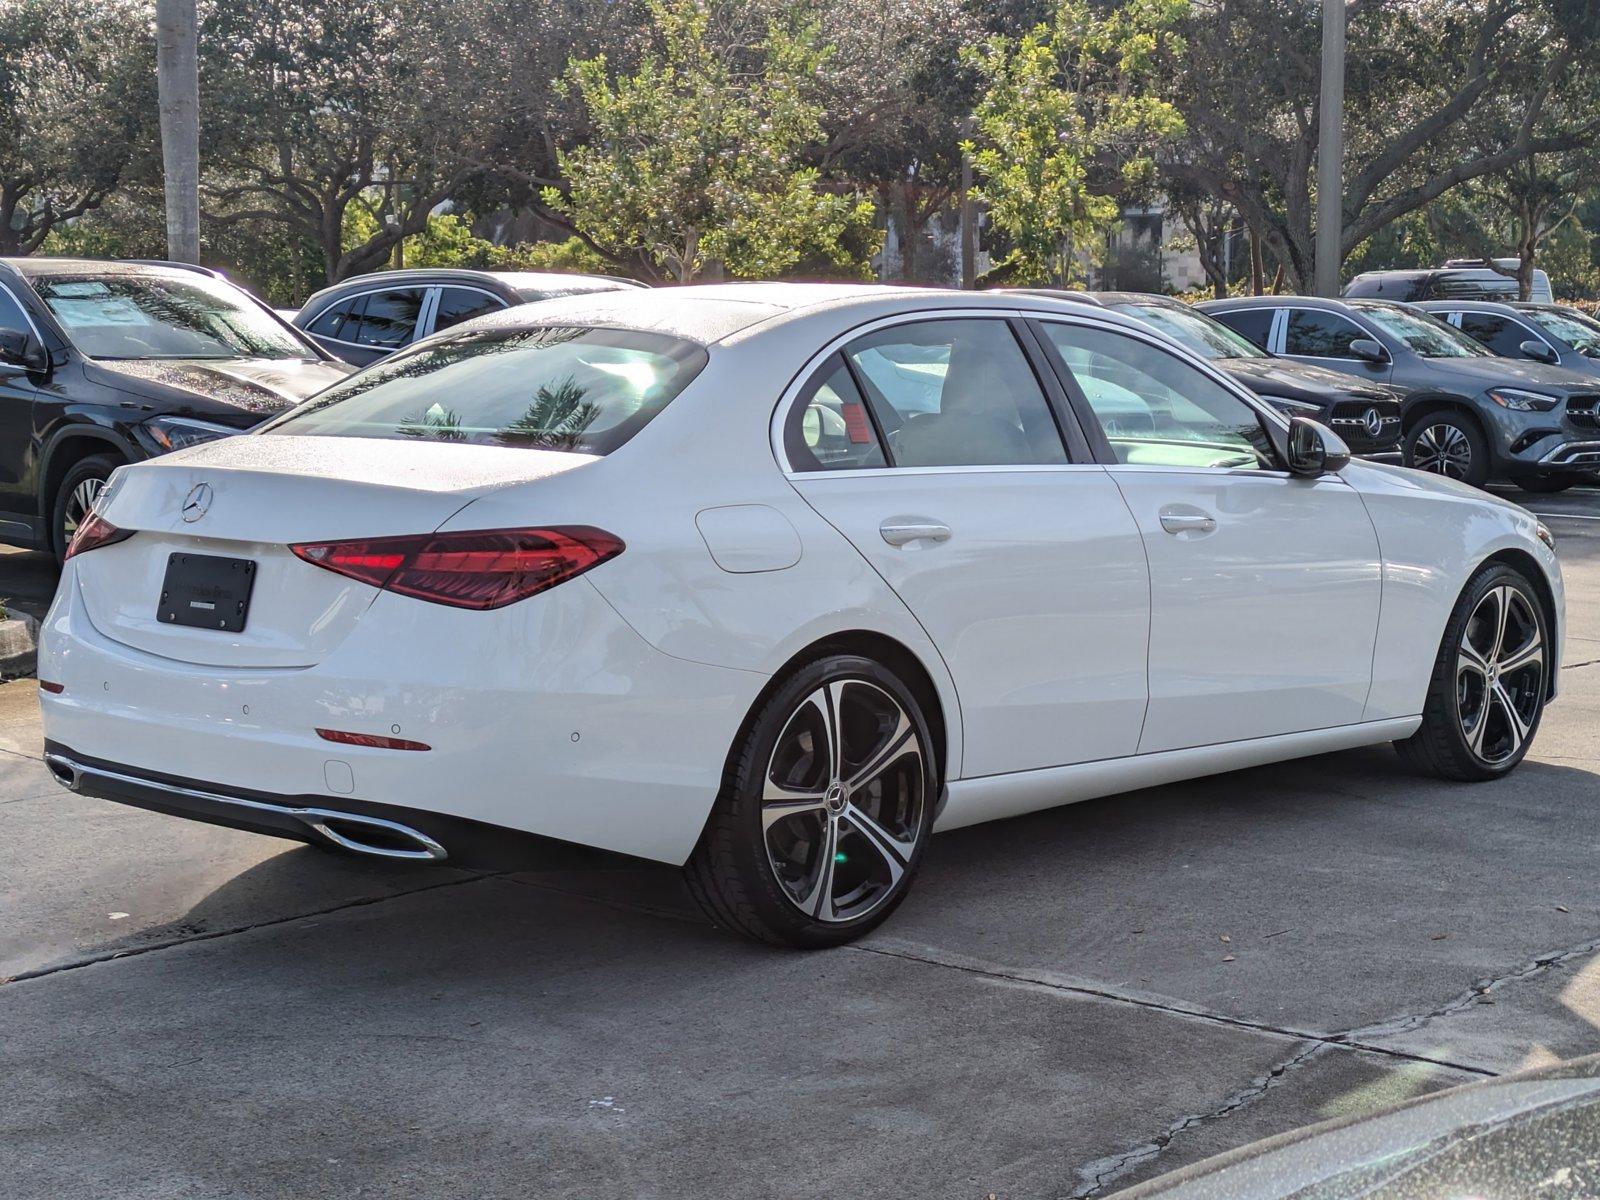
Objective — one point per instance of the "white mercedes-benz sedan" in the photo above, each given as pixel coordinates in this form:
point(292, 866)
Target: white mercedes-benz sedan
point(773, 581)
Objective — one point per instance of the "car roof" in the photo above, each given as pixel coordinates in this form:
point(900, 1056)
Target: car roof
point(511, 281)
point(38, 266)
point(1239, 303)
point(1495, 307)
point(710, 313)
point(1102, 299)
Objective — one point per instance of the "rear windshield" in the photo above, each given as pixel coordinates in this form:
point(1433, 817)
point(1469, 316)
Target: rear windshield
point(585, 390)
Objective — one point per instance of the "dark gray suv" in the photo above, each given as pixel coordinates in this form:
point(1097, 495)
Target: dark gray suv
point(1468, 413)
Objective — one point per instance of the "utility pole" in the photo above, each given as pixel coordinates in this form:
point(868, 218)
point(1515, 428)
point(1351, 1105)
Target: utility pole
point(969, 217)
point(1330, 152)
point(178, 91)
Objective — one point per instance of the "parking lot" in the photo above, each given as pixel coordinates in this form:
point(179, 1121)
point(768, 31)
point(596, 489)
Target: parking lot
point(1067, 1003)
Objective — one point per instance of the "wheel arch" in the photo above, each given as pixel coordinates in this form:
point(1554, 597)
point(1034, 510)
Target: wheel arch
point(65, 449)
point(1527, 565)
point(1420, 407)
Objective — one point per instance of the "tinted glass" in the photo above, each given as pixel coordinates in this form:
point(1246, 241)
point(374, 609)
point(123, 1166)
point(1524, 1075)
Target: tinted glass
point(1156, 409)
point(1429, 337)
point(1503, 336)
point(389, 319)
point(462, 304)
point(328, 321)
point(1319, 334)
point(956, 393)
point(1252, 324)
point(156, 316)
point(829, 428)
point(548, 388)
point(1196, 331)
point(12, 318)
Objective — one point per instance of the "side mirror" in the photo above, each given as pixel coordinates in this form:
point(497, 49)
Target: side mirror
point(1369, 349)
point(21, 353)
point(1539, 351)
point(1315, 449)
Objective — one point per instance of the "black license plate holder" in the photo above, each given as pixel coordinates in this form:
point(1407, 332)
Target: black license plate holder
point(206, 591)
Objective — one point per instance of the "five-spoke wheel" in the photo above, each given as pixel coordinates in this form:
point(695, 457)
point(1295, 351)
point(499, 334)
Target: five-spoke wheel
point(821, 829)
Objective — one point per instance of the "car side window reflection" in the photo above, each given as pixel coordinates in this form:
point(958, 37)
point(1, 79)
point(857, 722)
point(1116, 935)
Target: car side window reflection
point(828, 428)
point(955, 393)
point(1154, 408)
point(1502, 336)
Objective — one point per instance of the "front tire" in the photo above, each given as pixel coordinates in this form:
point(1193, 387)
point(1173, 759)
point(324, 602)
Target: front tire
point(79, 489)
point(1489, 683)
point(1449, 443)
point(827, 804)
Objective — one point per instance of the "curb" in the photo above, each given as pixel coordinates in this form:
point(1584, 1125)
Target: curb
point(19, 646)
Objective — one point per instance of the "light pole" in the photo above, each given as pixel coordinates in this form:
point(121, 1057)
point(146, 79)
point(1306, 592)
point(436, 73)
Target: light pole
point(1330, 152)
point(178, 92)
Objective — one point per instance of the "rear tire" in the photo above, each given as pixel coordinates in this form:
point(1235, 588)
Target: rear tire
point(1449, 443)
point(1489, 683)
point(78, 491)
point(824, 811)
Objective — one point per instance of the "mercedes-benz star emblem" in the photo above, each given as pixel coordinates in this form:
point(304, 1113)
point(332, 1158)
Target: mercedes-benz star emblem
point(197, 503)
point(1373, 420)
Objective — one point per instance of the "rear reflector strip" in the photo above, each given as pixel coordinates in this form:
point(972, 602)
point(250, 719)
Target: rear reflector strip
point(55, 689)
point(373, 740)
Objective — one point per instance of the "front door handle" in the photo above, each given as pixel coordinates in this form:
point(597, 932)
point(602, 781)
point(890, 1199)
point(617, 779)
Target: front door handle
point(1175, 520)
point(898, 533)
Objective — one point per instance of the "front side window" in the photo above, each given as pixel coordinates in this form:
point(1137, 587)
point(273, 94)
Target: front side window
point(1315, 334)
point(1157, 410)
point(12, 318)
point(140, 316)
point(1500, 334)
point(331, 319)
point(1429, 337)
point(955, 393)
point(829, 428)
point(462, 304)
point(547, 388)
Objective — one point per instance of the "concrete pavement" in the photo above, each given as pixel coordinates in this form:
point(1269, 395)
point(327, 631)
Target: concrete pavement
point(1067, 1003)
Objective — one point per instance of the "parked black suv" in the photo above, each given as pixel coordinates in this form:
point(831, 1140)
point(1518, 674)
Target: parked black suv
point(371, 316)
point(1365, 415)
point(1468, 414)
point(104, 363)
point(1458, 279)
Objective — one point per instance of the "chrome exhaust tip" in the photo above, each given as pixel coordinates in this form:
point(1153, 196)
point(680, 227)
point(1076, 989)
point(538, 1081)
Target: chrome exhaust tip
point(372, 836)
point(64, 771)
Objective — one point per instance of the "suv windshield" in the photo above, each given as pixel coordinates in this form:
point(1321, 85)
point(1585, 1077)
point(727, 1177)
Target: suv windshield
point(1428, 336)
point(547, 388)
point(164, 316)
point(1206, 336)
point(1579, 332)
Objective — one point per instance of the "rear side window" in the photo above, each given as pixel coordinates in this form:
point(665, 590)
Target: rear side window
point(1503, 336)
point(388, 320)
point(1315, 334)
point(462, 304)
point(547, 388)
point(1254, 324)
point(829, 428)
point(955, 393)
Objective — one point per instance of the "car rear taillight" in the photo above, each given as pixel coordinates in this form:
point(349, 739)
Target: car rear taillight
point(94, 532)
point(487, 568)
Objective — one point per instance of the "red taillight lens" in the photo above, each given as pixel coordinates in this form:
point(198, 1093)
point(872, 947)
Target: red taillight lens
point(487, 568)
point(94, 532)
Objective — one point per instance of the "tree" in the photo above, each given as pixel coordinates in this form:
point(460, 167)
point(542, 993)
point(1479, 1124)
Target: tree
point(1067, 124)
point(314, 108)
point(1423, 78)
point(74, 107)
point(693, 160)
point(178, 80)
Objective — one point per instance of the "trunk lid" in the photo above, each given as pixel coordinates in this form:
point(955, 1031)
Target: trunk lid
point(260, 494)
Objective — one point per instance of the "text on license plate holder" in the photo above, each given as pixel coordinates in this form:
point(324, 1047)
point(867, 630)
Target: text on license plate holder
point(206, 591)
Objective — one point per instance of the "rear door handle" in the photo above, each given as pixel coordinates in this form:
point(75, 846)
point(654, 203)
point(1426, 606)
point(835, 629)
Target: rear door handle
point(1175, 520)
point(898, 533)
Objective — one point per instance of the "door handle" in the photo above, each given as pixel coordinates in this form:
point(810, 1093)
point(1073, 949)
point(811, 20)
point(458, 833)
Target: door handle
point(1177, 521)
point(898, 533)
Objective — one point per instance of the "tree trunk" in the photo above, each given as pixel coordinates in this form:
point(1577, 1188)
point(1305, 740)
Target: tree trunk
point(178, 90)
point(691, 248)
point(1258, 270)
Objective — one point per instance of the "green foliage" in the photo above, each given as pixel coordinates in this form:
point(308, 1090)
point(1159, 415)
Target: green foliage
point(1067, 126)
point(694, 158)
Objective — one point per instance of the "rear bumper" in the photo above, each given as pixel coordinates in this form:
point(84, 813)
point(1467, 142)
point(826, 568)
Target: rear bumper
point(549, 717)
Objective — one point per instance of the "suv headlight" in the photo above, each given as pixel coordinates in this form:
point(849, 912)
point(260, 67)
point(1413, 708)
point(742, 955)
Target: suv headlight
point(1521, 401)
point(1293, 408)
point(178, 433)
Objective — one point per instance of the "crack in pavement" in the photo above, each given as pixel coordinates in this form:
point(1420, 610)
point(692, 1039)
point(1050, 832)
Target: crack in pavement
point(1574, 666)
point(1096, 1175)
point(212, 934)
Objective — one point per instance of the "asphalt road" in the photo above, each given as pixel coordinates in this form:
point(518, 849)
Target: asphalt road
point(1068, 1002)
